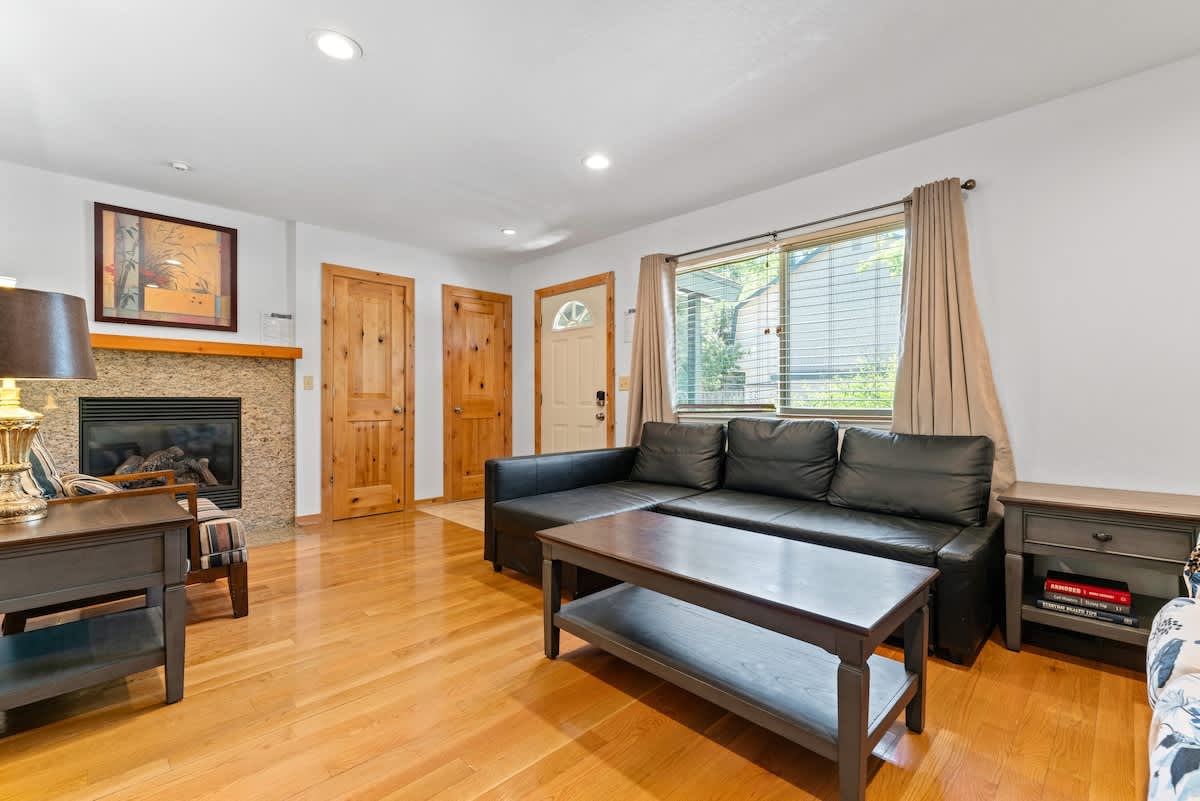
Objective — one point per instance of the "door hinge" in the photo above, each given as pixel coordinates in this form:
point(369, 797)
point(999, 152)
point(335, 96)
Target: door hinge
point(505, 323)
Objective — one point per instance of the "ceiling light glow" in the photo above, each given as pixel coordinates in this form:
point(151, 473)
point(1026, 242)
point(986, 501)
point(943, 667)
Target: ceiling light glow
point(597, 161)
point(337, 46)
point(180, 166)
point(509, 231)
point(7, 281)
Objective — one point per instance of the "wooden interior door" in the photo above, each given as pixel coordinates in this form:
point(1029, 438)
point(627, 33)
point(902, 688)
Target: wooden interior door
point(368, 392)
point(574, 365)
point(477, 386)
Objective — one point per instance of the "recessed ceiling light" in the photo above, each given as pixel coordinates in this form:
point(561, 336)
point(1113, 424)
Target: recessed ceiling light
point(337, 46)
point(180, 166)
point(509, 231)
point(597, 161)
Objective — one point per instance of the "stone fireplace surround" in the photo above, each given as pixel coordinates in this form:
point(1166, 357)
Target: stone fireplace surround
point(265, 385)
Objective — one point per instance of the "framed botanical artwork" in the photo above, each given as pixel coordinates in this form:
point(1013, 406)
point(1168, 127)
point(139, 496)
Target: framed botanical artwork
point(158, 270)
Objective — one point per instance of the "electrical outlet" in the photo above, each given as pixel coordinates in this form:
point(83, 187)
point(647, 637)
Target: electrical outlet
point(623, 383)
point(308, 382)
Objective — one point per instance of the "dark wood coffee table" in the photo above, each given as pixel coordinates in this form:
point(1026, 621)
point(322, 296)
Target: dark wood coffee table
point(782, 633)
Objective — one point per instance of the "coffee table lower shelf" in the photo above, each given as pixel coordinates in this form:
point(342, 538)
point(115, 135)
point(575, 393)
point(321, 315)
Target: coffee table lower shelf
point(779, 683)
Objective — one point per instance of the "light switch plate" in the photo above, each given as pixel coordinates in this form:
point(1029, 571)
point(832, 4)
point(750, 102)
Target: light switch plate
point(623, 383)
point(308, 382)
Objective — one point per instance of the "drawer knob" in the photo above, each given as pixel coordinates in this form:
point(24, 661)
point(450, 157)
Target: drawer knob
point(1101, 536)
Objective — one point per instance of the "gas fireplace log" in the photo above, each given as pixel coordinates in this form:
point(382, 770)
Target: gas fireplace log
point(187, 469)
point(198, 468)
point(164, 459)
point(131, 464)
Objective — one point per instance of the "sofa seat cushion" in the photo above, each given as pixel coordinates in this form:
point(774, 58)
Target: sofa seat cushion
point(901, 538)
point(536, 512)
point(726, 507)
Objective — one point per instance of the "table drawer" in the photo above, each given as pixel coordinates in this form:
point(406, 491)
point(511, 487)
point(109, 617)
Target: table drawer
point(93, 565)
point(1100, 536)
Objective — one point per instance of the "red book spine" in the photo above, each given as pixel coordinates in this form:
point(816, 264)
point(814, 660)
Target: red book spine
point(1089, 591)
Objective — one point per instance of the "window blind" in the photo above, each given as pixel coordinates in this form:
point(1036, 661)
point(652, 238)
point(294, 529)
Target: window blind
point(806, 328)
point(842, 329)
point(726, 346)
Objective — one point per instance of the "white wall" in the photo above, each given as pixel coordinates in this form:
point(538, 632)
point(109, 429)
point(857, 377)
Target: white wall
point(46, 236)
point(313, 246)
point(1084, 258)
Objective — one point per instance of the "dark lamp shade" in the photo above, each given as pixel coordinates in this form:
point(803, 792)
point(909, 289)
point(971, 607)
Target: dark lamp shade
point(44, 335)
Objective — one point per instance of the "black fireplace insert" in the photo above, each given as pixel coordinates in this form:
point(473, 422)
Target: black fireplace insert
point(199, 438)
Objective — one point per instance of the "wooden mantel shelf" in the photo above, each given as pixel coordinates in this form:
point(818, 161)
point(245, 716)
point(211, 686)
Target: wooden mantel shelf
point(204, 347)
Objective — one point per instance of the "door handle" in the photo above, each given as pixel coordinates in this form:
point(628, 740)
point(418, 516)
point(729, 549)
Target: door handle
point(398, 410)
point(458, 410)
point(599, 415)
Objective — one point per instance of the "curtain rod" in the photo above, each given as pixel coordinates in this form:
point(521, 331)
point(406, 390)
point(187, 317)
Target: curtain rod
point(967, 184)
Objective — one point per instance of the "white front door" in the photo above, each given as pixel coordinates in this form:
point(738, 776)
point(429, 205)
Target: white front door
point(574, 342)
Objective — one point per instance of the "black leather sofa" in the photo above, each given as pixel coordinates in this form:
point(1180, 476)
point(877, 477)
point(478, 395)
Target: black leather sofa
point(918, 499)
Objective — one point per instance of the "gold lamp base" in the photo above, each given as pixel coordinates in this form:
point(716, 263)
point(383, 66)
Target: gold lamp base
point(18, 427)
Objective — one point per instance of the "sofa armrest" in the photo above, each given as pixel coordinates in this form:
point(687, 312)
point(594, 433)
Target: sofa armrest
point(522, 476)
point(969, 589)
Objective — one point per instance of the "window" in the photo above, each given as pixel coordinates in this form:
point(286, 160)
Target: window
point(809, 326)
point(572, 314)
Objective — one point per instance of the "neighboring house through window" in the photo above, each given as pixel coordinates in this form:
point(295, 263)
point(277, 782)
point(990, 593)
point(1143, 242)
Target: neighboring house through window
point(809, 326)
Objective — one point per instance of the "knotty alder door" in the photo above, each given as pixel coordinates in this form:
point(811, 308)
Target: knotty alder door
point(476, 386)
point(369, 392)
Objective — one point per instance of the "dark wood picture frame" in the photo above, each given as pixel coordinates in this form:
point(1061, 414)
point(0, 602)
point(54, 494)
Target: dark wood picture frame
point(98, 297)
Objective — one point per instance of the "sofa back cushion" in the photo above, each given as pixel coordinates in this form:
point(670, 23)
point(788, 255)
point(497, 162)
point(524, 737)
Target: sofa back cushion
point(682, 454)
point(913, 475)
point(788, 458)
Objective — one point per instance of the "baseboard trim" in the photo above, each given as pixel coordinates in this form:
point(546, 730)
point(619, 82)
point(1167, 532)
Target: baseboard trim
point(308, 520)
point(429, 501)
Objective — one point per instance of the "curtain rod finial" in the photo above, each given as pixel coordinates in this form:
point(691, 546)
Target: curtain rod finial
point(969, 183)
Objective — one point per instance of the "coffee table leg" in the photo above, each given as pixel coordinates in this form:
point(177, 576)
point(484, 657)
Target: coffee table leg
point(916, 655)
point(551, 602)
point(853, 693)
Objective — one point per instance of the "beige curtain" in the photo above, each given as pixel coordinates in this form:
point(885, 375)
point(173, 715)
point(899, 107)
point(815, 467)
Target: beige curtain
point(944, 383)
point(652, 377)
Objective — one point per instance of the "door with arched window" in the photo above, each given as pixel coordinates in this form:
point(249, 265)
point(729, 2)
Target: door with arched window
point(573, 365)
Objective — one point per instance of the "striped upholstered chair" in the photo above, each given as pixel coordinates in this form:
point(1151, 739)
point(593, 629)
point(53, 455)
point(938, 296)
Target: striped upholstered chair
point(216, 541)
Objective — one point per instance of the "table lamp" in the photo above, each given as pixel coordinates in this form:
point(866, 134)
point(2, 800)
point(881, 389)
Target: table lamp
point(42, 335)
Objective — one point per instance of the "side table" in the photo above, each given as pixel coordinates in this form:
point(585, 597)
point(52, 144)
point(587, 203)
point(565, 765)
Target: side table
point(1122, 529)
point(81, 551)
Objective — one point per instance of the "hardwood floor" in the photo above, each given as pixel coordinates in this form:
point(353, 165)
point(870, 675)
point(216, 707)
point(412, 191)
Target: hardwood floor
point(465, 513)
point(383, 659)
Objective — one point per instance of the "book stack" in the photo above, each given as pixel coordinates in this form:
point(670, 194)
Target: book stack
point(1087, 596)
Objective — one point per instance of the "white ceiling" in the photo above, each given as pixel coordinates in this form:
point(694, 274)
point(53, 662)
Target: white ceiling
point(466, 116)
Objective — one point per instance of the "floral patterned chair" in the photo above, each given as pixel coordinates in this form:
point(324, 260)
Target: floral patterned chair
point(1173, 682)
point(216, 541)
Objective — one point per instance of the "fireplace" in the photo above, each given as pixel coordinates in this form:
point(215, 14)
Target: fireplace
point(200, 438)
